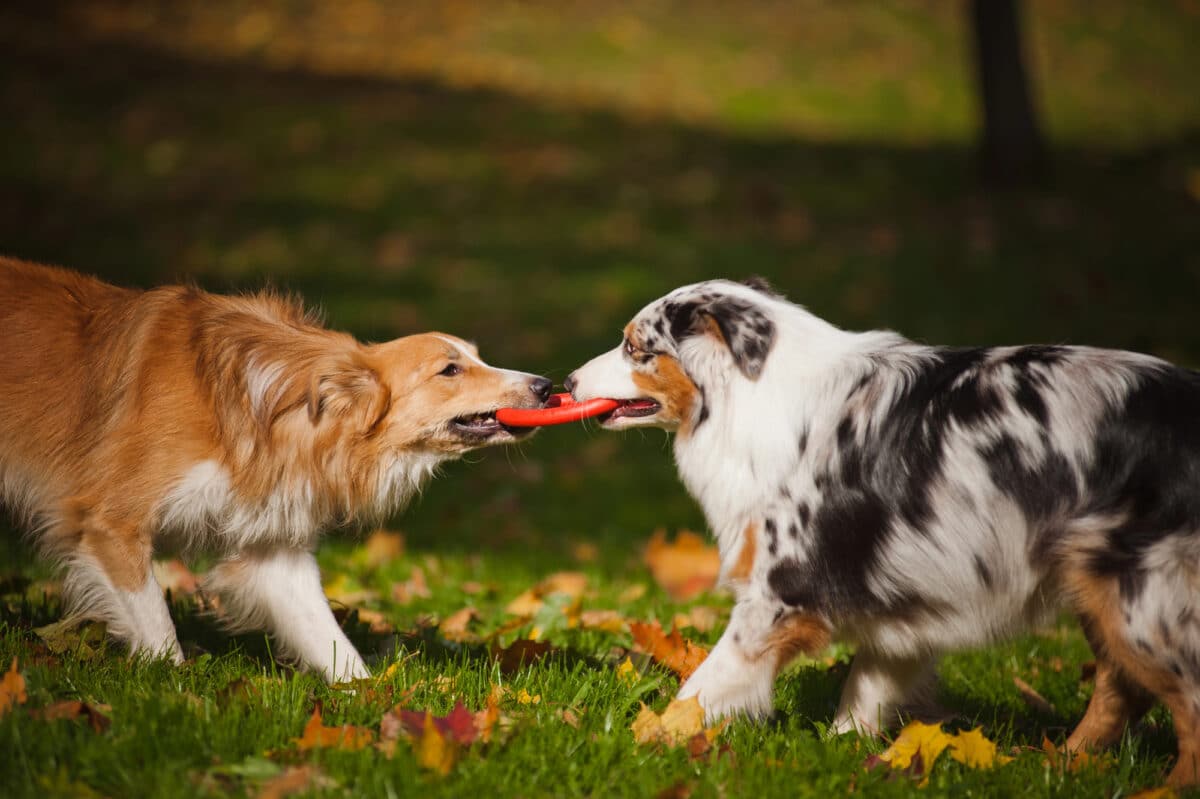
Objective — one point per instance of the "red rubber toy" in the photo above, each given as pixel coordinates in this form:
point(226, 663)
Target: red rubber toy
point(560, 409)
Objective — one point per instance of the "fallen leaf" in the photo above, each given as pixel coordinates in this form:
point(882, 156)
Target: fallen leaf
point(1163, 792)
point(585, 552)
point(176, 577)
point(375, 620)
point(294, 780)
point(627, 672)
point(1033, 698)
point(677, 790)
point(12, 689)
point(701, 619)
point(74, 709)
point(685, 567)
point(519, 653)
point(348, 592)
point(919, 745)
point(78, 635)
point(529, 602)
point(673, 651)
point(609, 621)
point(683, 719)
point(456, 626)
point(317, 736)
point(380, 548)
point(415, 587)
point(433, 751)
point(632, 593)
point(526, 698)
point(975, 751)
point(569, 717)
point(1063, 760)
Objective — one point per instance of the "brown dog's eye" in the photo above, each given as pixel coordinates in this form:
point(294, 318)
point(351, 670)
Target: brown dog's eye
point(451, 370)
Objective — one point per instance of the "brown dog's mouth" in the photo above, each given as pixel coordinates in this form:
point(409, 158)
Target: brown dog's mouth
point(483, 425)
point(632, 408)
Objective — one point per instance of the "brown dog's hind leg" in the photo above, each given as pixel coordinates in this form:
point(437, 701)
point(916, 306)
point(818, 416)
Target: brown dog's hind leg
point(1116, 703)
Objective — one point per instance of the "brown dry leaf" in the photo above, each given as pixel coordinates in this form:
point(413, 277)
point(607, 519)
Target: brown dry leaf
point(607, 620)
point(294, 780)
point(585, 552)
point(573, 584)
point(456, 626)
point(700, 618)
point(1073, 761)
point(176, 577)
point(685, 567)
point(682, 719)
point(632, 594)
point(318, 736)
point(343, 590)
point(673, 651)
point(74, 709)
point(380, 548)
point(1033, 698)
point(1162, 792)
point(415, 587)
point(376, 621)
point(519, 653)
point(569, 717)
point(12, 689)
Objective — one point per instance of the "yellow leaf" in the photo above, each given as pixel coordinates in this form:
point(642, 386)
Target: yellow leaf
point(433, 751)
point(12, 689)
point(529, 602)
point(525, 698)
point(927, 740)
point(975, 751)
point(682, 719)
point(1162, 792)
point(610, 621)
point(627, 673)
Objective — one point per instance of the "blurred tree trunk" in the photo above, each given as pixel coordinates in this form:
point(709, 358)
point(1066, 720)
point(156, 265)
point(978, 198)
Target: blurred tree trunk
point(1012, 150)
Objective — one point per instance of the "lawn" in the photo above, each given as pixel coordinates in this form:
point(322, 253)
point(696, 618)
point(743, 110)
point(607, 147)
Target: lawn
point(528, 180)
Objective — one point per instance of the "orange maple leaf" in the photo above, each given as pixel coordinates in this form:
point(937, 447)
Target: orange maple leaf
point(12, 689)
point(318, 736)
point(679, 655)
point(685, 567)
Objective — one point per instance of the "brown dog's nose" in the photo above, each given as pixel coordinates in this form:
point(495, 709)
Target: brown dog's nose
point(540, 386)
point(569, 383)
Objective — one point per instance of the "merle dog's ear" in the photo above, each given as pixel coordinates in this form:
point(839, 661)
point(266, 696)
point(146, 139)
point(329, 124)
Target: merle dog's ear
point(760, 283)
point(743, 327)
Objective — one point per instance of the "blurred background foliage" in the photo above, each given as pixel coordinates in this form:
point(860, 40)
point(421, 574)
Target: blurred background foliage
point(529, 174)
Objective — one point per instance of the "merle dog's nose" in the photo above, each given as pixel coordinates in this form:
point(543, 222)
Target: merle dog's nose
point(541, 386)
point(569, 383)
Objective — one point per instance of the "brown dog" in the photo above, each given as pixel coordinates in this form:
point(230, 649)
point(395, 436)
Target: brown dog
point(238, 423)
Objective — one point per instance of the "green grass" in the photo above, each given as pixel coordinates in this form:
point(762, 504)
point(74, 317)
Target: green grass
point(529, 180)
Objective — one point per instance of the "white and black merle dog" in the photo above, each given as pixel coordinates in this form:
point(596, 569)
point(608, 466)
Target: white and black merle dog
point(913, 500)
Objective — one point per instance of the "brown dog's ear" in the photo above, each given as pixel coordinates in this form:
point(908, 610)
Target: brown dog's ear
point(348, 385)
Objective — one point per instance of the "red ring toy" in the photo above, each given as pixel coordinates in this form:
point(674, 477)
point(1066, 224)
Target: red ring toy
point(560, 409)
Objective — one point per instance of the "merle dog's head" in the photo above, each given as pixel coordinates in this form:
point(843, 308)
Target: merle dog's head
point(677, 350)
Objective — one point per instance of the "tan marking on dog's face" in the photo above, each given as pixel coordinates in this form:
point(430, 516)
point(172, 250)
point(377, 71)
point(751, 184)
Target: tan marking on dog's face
point(435, 379)
point(663, 380)
point(745, 562)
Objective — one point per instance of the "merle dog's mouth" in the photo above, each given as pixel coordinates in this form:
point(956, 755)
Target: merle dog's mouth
point(483, 425)
point(632, 408)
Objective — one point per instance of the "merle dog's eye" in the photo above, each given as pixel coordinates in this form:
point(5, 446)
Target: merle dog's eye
point(629, 348)
point(451, 370)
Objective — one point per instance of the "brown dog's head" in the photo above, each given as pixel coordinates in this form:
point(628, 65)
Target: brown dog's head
point(429, 393)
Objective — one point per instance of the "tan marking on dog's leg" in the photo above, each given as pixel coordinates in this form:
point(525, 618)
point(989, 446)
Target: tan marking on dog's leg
point(745, 560)
point(1115, 704)
point(1098, 600)
point(796, 635)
